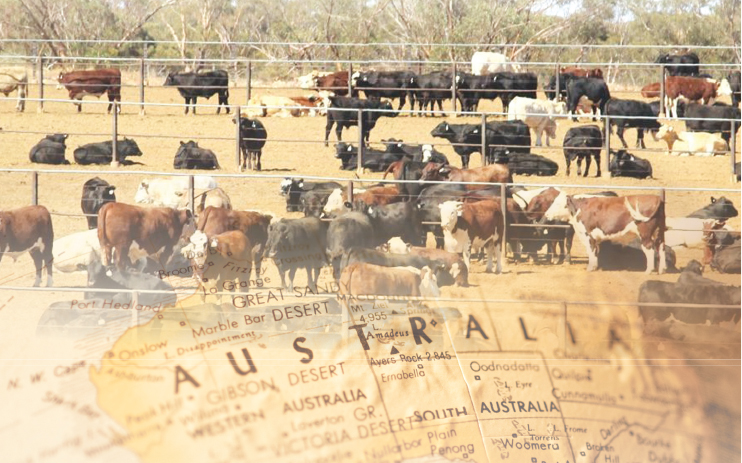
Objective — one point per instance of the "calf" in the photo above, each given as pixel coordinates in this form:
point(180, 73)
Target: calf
point(95, 193)
point(102, 153)
point(428, 211)
point(622, 114)
point(298, 243)
point(361, 279)
point(620, 219)
point(691, 143)
point(539, 115)
point(479, 224)
point(689, 231)
point(383, 259)
point(252, 140)
point(192, 85)
point(50, 150)
point(100, 277)
point(192, 156)
point(494, 173)
point(344, 113)
point(293, 189)
point(350, 230)
point(625, 164)
point(691, 88)
point(595, 90)
point(94, 82)
point(28, 229)
point(583, 143)
point(697, 119)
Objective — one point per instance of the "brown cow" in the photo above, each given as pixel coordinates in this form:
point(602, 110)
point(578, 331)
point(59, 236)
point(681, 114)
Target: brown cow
point(154, 229)
point(378, 196)
point(478, 224)
point(254, 225)
point(337, 83)
point(620, 219)
point(494, 173)
point(220, 261)
point(28, 229)
point(95, 83)
point(579, 72)
point(651, 91)
point(692, 88)
point(360, 278)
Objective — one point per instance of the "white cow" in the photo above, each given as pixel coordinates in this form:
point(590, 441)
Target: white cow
point(687, 231)
point(484, 62)
point(335, 204)
point(73, 253)
point(170, 192)
point(691, 143)
point(539, 115)
point(14, 79)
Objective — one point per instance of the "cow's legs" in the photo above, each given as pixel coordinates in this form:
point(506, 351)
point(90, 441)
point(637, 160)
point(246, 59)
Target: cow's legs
point(257, 159)
point(292, 274)
point(312, 278)
point(194, 100)
point(588, 161)
point(649, 253)
point(187, 102)
point(619, 132)
point(38, 263)
point(597, 163)
point(663, 262)
point(48, 260)
point(440, 107)
point(579, 165)
point(122, 256)
point(539, 130)
point(339, 132)
point(495, 249)
point(640, 139)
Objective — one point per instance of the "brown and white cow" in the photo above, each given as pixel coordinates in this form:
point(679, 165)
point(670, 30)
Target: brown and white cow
point(28, 229)
point(360, 278)
point(620, 219)
point(155, 230)
point(221, 261)
point(691, 88)
point(467, 225)
point(94, 82)
point(494, 173)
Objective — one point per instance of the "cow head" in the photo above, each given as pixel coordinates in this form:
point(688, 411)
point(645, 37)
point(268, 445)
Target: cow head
point(450, 213)
point(197, 252)
point(434, 171)
point(443, 130)
point(171, 80)
point(57, 137)
point(142, 196)
point(129, 147)
point(277, 237)
point(344, 151)
point(286, 185)
point(721, 208)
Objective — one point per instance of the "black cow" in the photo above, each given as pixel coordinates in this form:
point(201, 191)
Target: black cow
point(594, 89)
point(100, 277)
point(508, 85)
point(293, 189)
point(410, 171)
point(735, 84)
point(655, 105)
point(102, 153)
point(192, 85)
point(95, 193)
point(433, 88)
point(350, 230)
point(50, 150)
point(720, 209)
point(312, 203)
point(513, 136)
point(620, 109)
point(383, 259)
point(527, 164)
point(252, 139)
point(551, 91)
point(373, 160)
point(297, 243)
point(580, 143)
point(389, 84)
point(727, 258)
point(696, 115)
point(398, 219)
point(625, 164)
point(191, 156)
point(471, 88)
point(343, 112)
point(680, 65)
point(417, 153)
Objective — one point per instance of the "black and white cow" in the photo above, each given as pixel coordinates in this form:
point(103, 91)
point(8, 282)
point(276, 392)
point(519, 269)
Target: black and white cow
point(625, 164)
point(680, 65)
point(343, 113)
point(594, 89)
point(622, 114)
point(387, 84)
point(294, 188)
point(50, 150)
point(698, 115)
point(191, 156)
point(295, 244)
point(102, 153)
point(580, 143)
point(95, 193)
point(192, 85)
point(252, 140)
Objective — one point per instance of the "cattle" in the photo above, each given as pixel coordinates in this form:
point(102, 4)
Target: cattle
point(192, 156)
point(579, 72)
point(417, 153)
point(373, 160)
point(428, 211)
point(691, 143)
point(15, 80)
point(630, 257)
point(509, 85)
point(513, 136)
point(479, 224)
point(169, 192)
point(254, 225)
point(335, 82)
point(313, 104)
point(696, 119)
point(192, 85)
point(50, 150)
point(580, 143)
point(350, 230)
point(433, 88)
point(691, 88)
point(281, 106)
point(551, 91)
point(297, 243)
point(75, 252)
point(100, 277)
point(623, 113)
point(95, 193)
point(293, 189)
point(396, 219)
point(528, 164)
point(378, 196)
point(93, 82)
point(720, 209)
point(625, 164)
point(680, 65)
point(651, 90)
point(308, 80)
point(620, 219)
point(472, 88)
point(689, 231)
point(344, 113)
point(361, 279)
point(102, 152)
point(313, 202)
point(735, 85)
point(494, 173)
point(454, 264)
point(726, 259)
point(483, 62)
point(389, 84)
point(539, 115)
point(154, 229)
point(595, 90)
point(220, 261)
point(28, 229)
point(410, 171)
point(252, 140)
point(383, 259)
point(215, 197)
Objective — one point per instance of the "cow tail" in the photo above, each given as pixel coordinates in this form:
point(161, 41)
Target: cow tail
point(102, 212)
point(634, 212)
point(388, 170)
point(204, 219)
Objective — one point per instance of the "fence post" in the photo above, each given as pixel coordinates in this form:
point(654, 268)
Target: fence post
point(663, 109)
point(35, 188)
point(191, 195)
point(733, 148)
point(248, 82)
point(40, 74)
point(454, 88)
point(605, 161)
point(558, 90)
point(115, 135)
point(485, 158)
point(504, 208)
point(237, 151)
point(350, 191)
point(350, 79)
point(141, 86)
point(361, 146)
